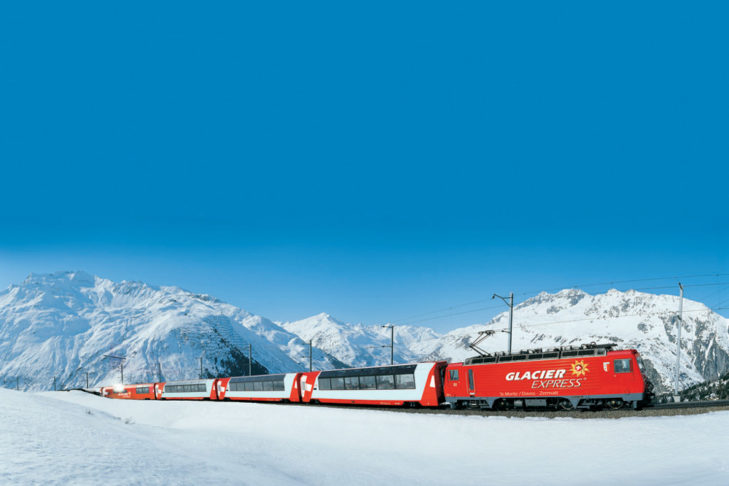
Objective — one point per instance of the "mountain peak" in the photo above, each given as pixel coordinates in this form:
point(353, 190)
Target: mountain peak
point(77, 278)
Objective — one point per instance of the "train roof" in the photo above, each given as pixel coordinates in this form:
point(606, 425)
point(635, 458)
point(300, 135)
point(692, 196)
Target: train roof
point(585, 350)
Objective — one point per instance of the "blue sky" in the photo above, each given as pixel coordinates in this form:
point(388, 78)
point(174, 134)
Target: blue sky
point(372, 161)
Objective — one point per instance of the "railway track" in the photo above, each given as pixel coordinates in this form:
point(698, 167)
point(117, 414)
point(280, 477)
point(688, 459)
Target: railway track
point(658, 410)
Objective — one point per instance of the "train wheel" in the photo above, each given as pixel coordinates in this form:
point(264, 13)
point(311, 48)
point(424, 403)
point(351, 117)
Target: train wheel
point(614, 403)
point(565, 404)
point(500, 405)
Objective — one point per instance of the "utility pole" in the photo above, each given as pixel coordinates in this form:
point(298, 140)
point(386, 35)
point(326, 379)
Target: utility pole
point(121, 364)
point(201, 373)
point(54, 383)
point(678, 340)
point(87, 379)
point(310, 354)
point(159, 371)
point(250, 359)
point(17, 383)
point(392, 342)
point(510, 303)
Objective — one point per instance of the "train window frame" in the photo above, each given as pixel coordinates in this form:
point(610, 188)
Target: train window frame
point(453, 375)
point(621, 368)
point(351, 382)
point(368, 382)
point(385, 386)
point(401, 384)
point(337, 383)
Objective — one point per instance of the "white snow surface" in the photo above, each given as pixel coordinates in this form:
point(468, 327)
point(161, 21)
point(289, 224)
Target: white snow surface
point(77, 438)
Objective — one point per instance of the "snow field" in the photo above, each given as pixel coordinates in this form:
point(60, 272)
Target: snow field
point(76, 438)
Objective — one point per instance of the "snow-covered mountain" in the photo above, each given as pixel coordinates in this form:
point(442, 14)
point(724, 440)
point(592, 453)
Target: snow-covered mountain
point(630, 319)
point(61, 325)
point(360, 345)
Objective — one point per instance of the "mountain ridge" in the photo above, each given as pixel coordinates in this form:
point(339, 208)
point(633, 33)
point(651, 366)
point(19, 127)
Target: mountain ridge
point(62, 324)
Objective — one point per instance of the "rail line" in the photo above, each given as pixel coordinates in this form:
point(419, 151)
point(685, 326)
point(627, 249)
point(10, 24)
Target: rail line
point(658, 409)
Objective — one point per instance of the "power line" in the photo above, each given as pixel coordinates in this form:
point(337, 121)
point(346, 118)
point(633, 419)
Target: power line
point(566, 321)
point(428, 316)
point(456, 306)
point(413, 318)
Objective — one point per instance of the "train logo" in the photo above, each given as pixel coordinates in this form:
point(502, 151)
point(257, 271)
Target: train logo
point(579, 368)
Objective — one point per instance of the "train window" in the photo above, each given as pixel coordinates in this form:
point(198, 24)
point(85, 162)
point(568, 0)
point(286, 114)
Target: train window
point(385, 382)
point(621, 365)
point(640, 364)
point(267, 386)
point(454, 375)
point(404, 381)
point(337, 383)
point(143, 389)
point(351, 383)
point(257, 386)
point(325, 384)
point(470, 379)
point(367, 383)
point(279, 385)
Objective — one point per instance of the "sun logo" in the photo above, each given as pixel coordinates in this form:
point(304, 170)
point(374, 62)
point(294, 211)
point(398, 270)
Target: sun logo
point(579, 368)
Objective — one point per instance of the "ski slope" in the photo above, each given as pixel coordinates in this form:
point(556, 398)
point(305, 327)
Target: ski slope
point(76, 438)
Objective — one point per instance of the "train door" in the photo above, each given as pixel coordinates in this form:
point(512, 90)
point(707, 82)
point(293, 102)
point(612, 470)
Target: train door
point(306, 385)
point(623, 374)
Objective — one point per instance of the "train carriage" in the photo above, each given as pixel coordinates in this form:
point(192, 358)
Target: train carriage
point(412, 384)
point(282, 387)
point(142, 391)
point(188, 390)
point(567, 378)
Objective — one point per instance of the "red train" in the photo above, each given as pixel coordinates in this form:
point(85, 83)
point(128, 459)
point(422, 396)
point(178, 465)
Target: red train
point(589, 376)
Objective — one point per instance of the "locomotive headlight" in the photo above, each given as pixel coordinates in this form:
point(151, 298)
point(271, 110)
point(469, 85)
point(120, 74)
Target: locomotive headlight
point(118, 388)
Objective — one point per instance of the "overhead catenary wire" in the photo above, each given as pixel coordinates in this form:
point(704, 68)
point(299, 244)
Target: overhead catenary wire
point(454, 314)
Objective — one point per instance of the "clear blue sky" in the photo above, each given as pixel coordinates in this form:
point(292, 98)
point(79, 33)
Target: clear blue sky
point(374, 161)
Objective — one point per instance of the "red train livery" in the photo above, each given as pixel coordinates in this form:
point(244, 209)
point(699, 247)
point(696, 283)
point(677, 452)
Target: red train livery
point(143, 391)
point(585, 377)
point(589, 376)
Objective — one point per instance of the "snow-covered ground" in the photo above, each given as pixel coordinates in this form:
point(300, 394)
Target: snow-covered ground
point(76, 438)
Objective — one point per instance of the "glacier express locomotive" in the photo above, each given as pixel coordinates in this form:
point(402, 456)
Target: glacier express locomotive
point(588, 376)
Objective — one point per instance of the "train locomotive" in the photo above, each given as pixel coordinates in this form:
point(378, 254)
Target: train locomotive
point(585, 377)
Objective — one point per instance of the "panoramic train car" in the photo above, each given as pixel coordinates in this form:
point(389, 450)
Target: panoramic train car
point(143, 391)
point(410, 384)
point(590, 376)
point(282, 387)
point(188, 390)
